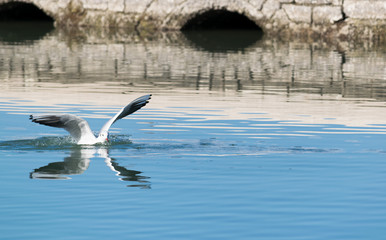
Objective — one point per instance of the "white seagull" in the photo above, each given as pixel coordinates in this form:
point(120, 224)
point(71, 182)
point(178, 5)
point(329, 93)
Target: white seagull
point(79, 128)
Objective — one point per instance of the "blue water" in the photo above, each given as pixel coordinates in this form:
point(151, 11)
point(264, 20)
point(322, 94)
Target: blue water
point(256, 140)
point(164, 179)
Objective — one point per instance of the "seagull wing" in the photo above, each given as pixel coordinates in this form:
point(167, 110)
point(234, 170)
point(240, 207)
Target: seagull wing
point(129, 109)
point(76, 126)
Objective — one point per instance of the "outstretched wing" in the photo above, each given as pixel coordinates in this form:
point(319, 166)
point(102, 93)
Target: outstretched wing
point(129, 109)
point(76, 126)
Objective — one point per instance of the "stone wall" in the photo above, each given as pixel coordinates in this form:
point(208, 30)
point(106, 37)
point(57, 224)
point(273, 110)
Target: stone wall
point(344, 19)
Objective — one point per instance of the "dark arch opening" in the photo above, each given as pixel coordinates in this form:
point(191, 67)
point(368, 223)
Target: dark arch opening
point(220, 20)
point(21, 22)
point(222, 30)
point(20, 11)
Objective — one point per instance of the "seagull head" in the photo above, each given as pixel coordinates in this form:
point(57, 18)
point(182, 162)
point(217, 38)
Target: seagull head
point(103, 137)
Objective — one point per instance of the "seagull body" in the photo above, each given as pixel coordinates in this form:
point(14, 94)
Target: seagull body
point(79, 128)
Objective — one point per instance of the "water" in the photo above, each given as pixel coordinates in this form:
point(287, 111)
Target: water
point(251, 140)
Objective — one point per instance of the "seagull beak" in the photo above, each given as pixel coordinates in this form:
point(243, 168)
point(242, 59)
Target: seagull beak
point(107, 140)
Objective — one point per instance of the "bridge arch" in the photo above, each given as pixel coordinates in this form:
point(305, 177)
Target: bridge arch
point(220, 19)
point(188, 15)
point(24, 10)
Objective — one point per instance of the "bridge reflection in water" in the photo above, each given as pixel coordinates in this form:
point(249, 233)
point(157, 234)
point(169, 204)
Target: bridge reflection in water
point(193, 61)
point(65, 62)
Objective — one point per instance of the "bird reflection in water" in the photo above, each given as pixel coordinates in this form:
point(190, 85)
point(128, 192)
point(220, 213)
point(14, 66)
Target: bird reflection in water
point(79, 161)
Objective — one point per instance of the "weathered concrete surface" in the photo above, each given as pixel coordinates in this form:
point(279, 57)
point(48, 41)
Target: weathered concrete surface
point(365, 9)
point(349, 19)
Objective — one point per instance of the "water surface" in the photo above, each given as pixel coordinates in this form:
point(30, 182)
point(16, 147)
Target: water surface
point(256, 140)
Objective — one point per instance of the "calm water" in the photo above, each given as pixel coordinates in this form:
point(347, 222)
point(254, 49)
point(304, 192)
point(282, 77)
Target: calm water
point(243, 139)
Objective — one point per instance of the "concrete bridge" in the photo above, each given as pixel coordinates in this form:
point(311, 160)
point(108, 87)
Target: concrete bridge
point(330, 19)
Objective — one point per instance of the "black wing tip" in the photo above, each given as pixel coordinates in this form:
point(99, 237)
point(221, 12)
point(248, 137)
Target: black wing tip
point(146, 101)
point(48, 120)
point(31, 117)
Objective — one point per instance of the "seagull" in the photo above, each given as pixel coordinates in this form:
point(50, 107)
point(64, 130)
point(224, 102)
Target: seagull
point(80, 130)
